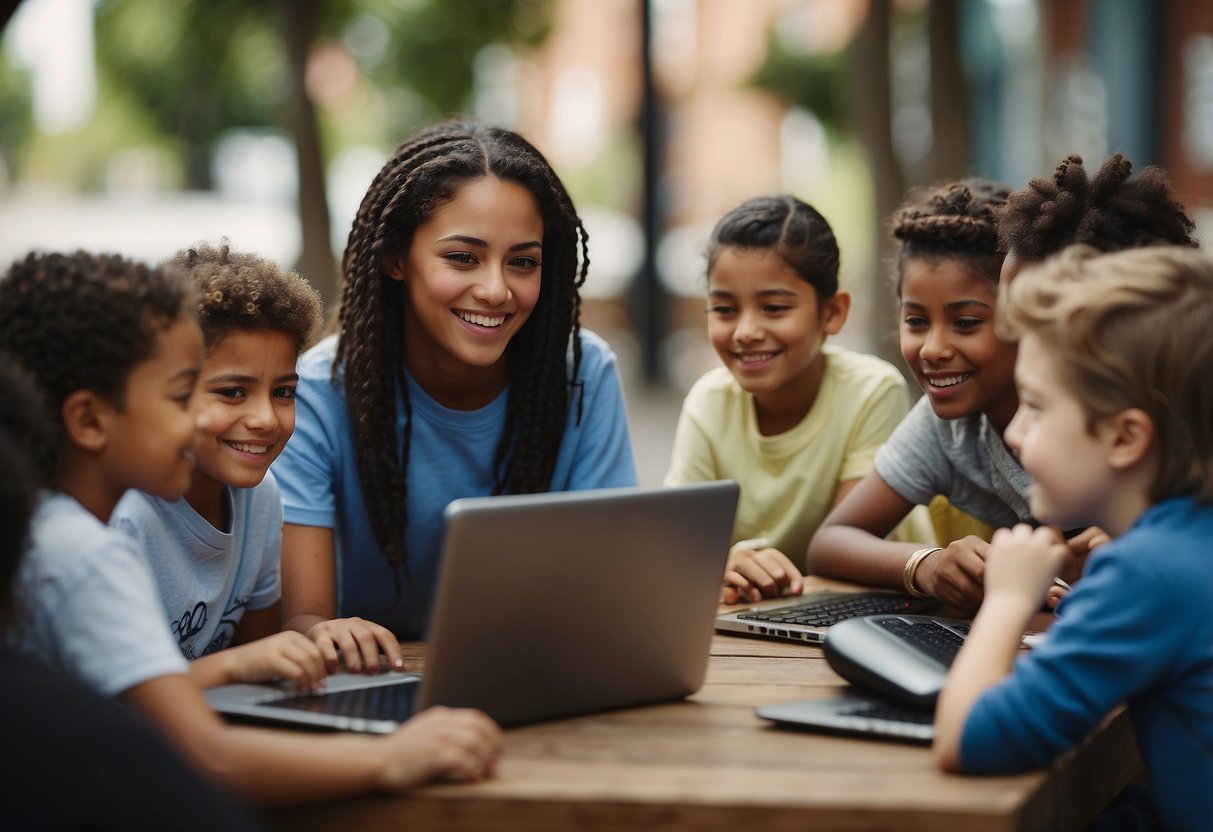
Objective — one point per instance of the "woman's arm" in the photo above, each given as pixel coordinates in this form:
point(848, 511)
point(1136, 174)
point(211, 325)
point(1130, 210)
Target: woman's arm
point(309, 576)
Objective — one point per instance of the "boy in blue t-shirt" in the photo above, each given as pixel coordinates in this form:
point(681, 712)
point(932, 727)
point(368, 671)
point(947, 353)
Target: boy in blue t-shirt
point(1115, 354)
point(215, 551)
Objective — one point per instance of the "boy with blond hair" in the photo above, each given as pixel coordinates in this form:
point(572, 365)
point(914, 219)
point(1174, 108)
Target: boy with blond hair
point(1115, 425)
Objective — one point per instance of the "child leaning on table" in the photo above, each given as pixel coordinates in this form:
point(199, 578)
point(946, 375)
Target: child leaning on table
point(214, 552)
point(1115, 425)
point(794, 420)
point(116, 351)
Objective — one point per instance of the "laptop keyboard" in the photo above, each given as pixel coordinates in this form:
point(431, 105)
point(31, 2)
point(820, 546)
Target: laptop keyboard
point(391, 702)
point(937, 641)
point(824, 612)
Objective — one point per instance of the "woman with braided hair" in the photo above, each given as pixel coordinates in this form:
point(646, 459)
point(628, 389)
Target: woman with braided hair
point(460, 369)
point(951, 442)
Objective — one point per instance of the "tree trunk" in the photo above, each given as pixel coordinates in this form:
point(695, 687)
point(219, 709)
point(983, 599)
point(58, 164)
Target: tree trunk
point(949, 93)
point(872, 109)
point(316, 260)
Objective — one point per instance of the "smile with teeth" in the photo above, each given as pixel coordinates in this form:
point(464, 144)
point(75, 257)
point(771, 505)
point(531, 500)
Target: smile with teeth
point(480, 320)
point(754, 357)
point(248, 448)
point(948, 381)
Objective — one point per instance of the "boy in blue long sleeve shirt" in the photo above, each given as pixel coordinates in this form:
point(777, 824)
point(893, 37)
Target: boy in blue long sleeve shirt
point(1115, 425)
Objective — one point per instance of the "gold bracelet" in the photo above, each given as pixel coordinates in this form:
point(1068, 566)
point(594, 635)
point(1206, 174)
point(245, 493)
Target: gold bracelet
point(911, 567)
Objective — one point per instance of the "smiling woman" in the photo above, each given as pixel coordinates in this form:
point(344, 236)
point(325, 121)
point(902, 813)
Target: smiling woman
point(460, 370)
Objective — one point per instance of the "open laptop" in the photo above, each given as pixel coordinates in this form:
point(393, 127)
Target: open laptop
point(807, 618)
point(897, 665)
point(548, 605)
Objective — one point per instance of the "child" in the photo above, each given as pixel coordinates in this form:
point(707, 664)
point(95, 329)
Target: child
point(116, 352)
point(460, 370)
point(951, 442)
point(214, 552)
point(122, 776)
point(1115, 428)
point(794, 420)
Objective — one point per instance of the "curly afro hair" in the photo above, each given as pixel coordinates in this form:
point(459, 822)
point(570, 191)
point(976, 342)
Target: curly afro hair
point(83, 321)
point(1108, 211)
point(243, 292)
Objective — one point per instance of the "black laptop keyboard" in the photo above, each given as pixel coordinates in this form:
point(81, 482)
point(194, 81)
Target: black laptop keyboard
point(937, 641)
point(392, 702)
point(823, 612)
point(891, 711)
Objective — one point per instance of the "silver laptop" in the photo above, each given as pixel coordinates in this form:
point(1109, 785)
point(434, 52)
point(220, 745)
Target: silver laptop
point(807, 618)
point(548, 605)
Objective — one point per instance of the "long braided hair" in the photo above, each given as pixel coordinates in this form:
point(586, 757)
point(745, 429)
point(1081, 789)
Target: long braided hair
point(424, 172)
point(952, 220)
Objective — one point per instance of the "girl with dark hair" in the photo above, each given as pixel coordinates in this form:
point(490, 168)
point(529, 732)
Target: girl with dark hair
point(459, 369)
point(796, 421)
point(951, 442)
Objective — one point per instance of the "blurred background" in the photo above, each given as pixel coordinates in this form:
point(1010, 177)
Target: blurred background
point(142, 126)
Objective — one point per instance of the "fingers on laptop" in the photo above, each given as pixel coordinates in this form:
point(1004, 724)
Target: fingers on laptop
point(286, 655)
point(754, 574)
point(363, 646)
point(456, 744)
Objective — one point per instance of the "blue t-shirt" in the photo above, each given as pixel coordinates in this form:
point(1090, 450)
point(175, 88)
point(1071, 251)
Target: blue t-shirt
point(450, 456)
point(1138, 629)
point(207, 578)
point(89, 604)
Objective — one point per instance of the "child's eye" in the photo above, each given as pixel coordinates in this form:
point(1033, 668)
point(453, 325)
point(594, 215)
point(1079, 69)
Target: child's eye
point(721, 309)
point(965, 324)
point(527, 263)
point(463, 258)
point(775, 308)
point(229, 392)
point(914, 321)
point(284, 393)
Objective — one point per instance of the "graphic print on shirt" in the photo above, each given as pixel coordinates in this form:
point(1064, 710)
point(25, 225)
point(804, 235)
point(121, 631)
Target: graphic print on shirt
point(189, 625)
point(194, 621)
point(226, 634)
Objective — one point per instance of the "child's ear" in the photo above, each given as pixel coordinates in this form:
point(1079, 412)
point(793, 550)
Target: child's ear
point(85, 420)
point(834, 312)
point(1130, 437)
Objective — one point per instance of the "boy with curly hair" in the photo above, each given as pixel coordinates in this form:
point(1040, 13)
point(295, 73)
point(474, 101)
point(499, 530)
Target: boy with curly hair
point(117, 353)
point(1115, 424)
point(215, 551)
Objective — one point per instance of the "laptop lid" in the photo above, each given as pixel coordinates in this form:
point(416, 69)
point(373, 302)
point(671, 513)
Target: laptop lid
point(556, 604)
point(550, 605)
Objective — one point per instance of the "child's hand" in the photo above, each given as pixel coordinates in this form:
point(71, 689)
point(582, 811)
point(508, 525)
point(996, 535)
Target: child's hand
point(753, 574)
point(453, 744)
point(955, 574)
point(286, 655)
point(1022, 562)
point(360, 642)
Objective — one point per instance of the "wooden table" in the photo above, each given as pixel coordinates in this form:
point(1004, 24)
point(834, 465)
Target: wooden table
point(707, 763)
